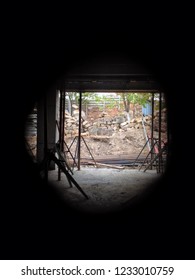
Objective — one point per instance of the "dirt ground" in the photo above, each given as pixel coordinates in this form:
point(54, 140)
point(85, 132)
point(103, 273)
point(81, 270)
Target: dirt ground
point(127, 141)
point(107, 189)
point(122, 144)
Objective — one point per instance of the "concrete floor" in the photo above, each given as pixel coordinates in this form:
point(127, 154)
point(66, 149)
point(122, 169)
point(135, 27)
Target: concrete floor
point(108, 189)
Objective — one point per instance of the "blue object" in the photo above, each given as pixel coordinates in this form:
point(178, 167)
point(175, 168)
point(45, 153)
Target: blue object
point(147, 110)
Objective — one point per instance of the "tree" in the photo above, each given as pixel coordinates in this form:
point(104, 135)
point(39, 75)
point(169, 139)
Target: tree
point(134, 98)
point(73, 98)
point(128, 98)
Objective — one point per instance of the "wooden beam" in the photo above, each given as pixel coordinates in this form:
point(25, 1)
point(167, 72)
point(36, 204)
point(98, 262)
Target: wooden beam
point(105, 165)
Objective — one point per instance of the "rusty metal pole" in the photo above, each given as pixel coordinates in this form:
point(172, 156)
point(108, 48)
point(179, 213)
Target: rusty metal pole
point(152, 127)
point(79, 136)
point(60, 132)
point(159, 130)
point(63, 118)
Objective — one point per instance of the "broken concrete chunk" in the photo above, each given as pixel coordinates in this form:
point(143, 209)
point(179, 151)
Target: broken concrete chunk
point(74, 106)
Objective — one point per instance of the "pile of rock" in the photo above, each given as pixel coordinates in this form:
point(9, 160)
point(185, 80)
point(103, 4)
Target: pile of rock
point(163, 121)
point(71, 123)
point(104, 125)
point(148, 120)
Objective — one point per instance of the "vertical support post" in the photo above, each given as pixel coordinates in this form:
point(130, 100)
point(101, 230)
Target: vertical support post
point(79, 136)
point(152, 125)
point(159, 130)
point(46, 117)
point(63, 119)
point(152, 128)
point(60, 132)
point(45, 138)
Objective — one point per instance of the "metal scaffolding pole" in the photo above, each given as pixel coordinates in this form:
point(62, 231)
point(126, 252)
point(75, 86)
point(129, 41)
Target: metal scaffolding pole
point(151, 151)
point(61, 127)
point(79, 135)
point(152, 127)
point(60, 132)
point(63, 118)
point(140, 152)
point(155, 158)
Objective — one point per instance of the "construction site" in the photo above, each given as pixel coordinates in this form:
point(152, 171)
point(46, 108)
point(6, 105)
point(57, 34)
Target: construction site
point(100, 139)
point(85, 176)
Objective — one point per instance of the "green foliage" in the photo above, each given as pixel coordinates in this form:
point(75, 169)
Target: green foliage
point(86, 96)
point(128, 98)
point(134, 98)
point(137, 98)
point(108, 101)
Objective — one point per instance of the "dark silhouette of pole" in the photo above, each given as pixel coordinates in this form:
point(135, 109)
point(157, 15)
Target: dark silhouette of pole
point(79, 136)
point(63, 118)
point(60, 132)
point(152, 127)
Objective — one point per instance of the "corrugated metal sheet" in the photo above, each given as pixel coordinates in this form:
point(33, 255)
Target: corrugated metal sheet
point(147, 110)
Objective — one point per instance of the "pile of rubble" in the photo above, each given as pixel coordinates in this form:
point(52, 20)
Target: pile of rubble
point(103, 125)
point(109, 134)
point(163, 120)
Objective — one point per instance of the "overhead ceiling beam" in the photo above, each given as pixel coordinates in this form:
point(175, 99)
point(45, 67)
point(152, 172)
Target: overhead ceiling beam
point(110, 82)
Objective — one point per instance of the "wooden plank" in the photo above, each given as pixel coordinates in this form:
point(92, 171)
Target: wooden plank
point(105, 165)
